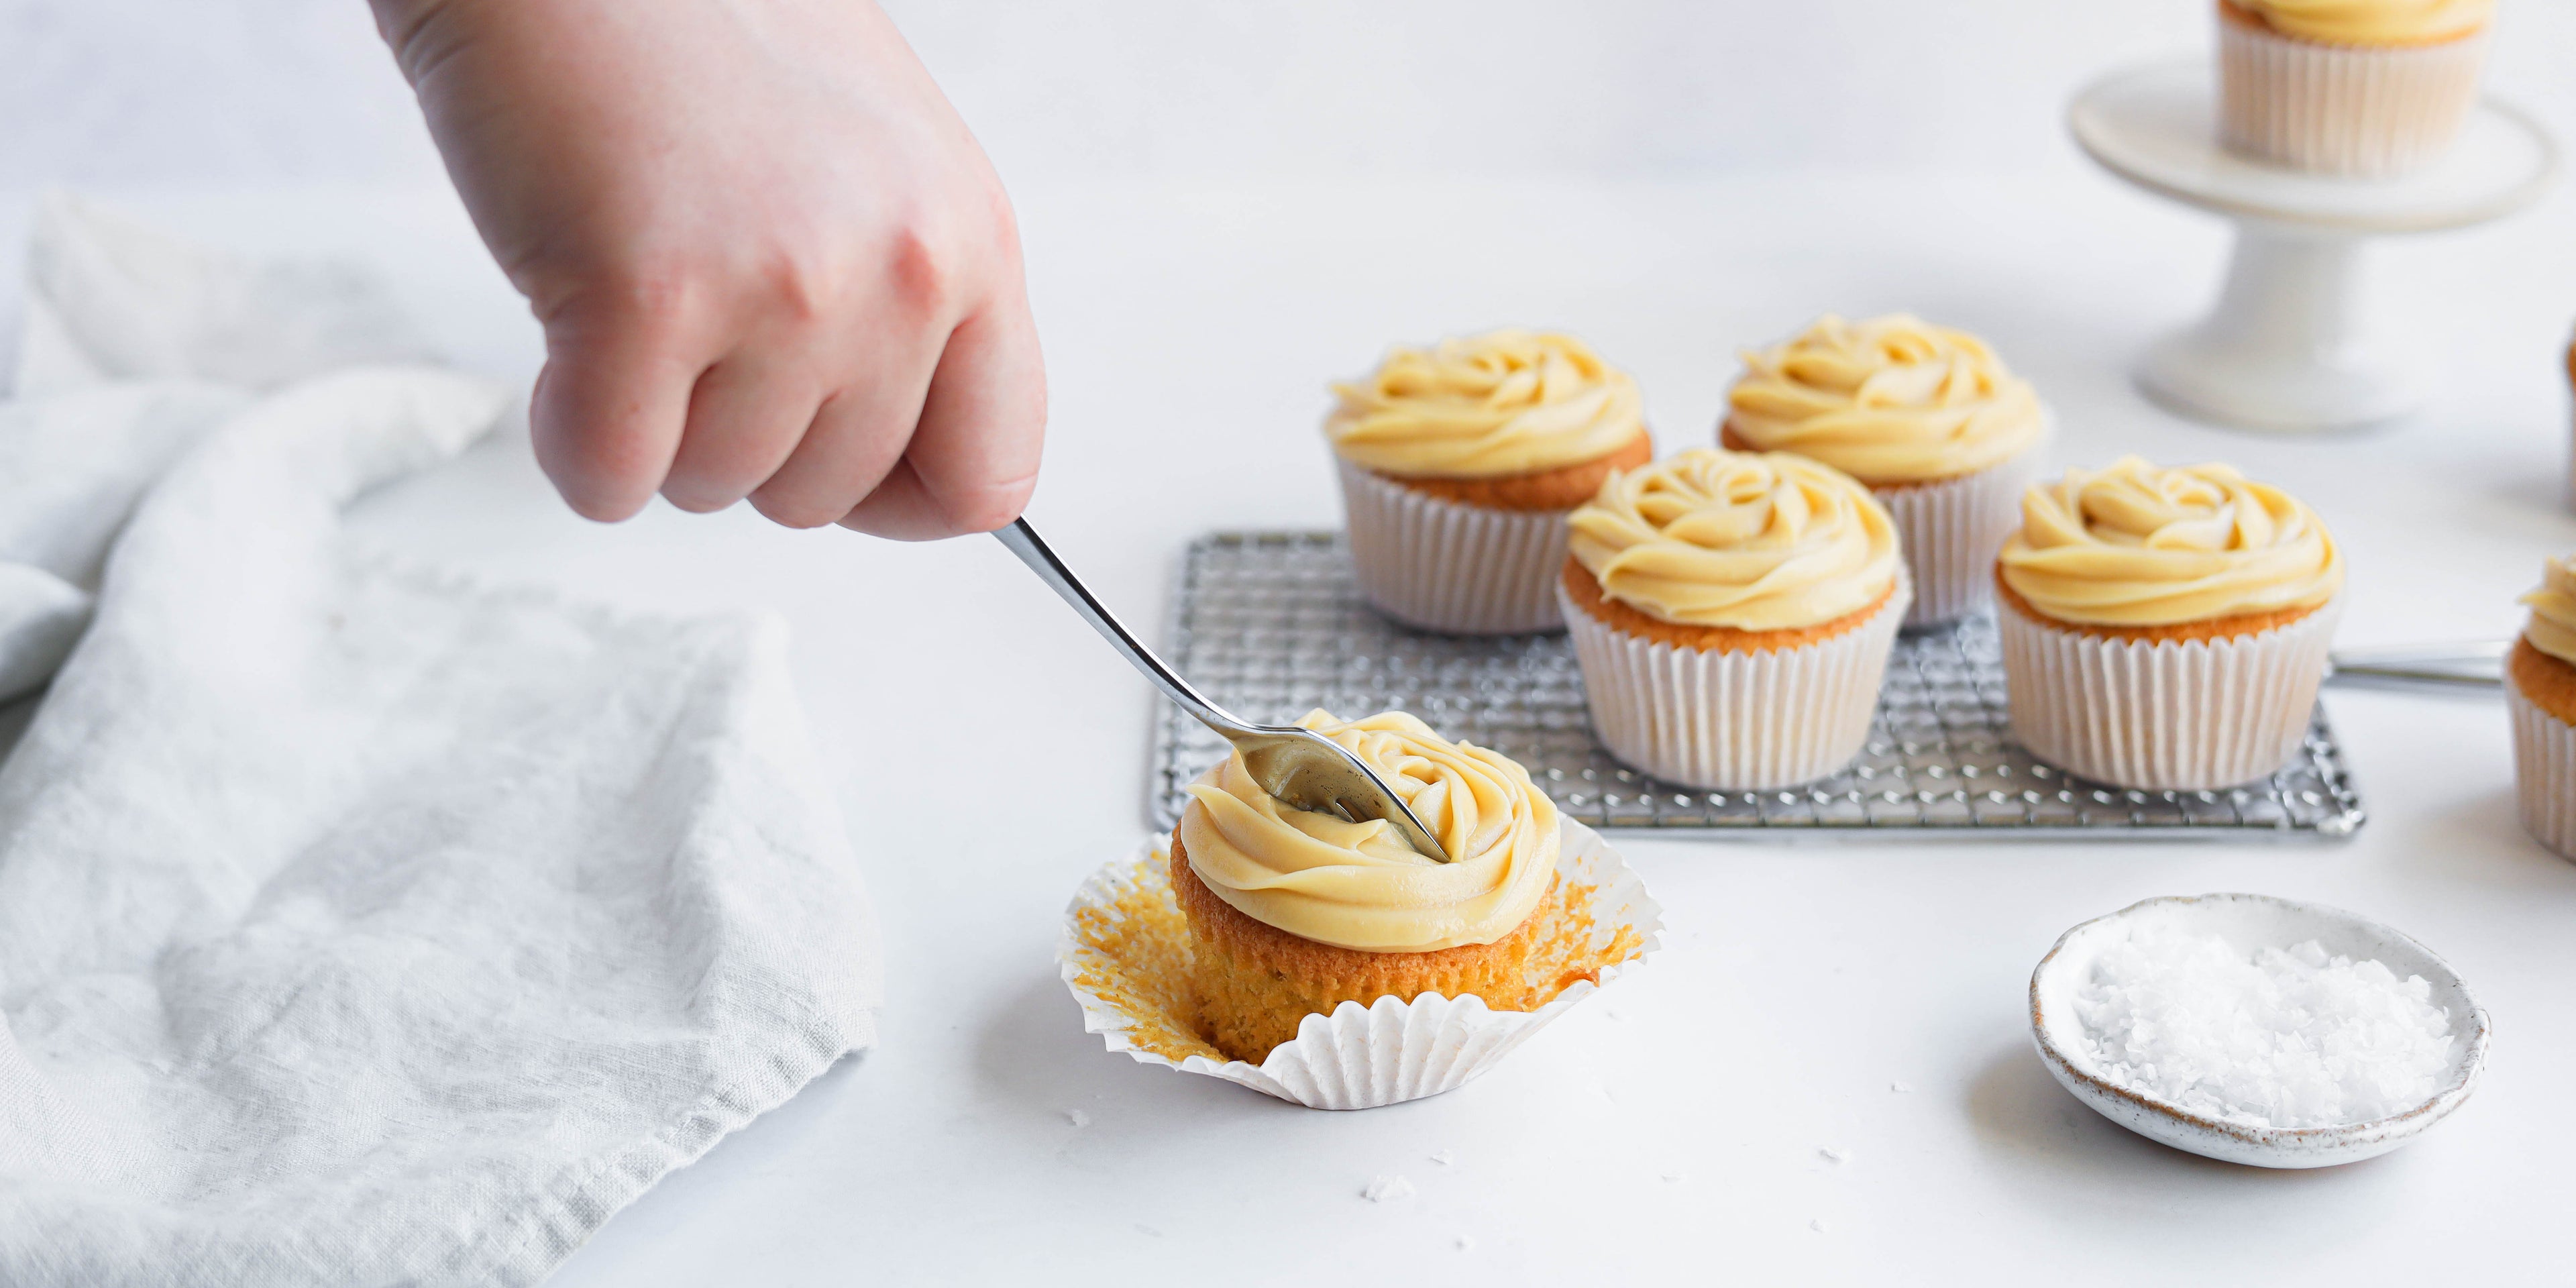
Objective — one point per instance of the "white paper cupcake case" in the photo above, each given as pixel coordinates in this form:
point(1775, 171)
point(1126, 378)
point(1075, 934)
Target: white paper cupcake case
point(1441, 566)
point(2164, 715)
point(2343, 109)
point(1734, 721)
point(2544, 771)
point(1361, 1057)
point(1950, 532)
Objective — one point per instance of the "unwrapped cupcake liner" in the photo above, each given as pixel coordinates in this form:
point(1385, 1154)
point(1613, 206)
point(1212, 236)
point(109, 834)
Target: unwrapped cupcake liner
point(2544, 771)
point(2164, 715)
point(1442, 566)
point(1358, 1057)
point(1950, 531)
point(2362, 110)
point(1746, 721)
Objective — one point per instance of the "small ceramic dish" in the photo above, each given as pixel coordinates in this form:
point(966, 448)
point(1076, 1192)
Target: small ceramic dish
point(2249, 922)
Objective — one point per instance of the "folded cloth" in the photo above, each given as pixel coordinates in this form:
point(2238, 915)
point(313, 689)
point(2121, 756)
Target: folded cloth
point(360, 923)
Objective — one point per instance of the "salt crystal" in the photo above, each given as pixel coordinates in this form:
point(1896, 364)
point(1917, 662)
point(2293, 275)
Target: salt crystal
point(1444, 1158)
point(1466, 1243)
point(1675, 1178)
point(1077, 1117)
point(1900, 1088)
point(1817, 1225)
point(1387, 1189)
point(1832, 1155)
point(2283, 1037)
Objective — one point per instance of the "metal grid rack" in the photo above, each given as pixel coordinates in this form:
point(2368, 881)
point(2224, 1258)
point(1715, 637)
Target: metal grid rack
point(1269, 625)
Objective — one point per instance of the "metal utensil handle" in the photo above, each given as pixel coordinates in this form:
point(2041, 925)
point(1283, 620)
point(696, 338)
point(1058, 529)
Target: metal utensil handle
point(1033, 551)
point(2476, 663)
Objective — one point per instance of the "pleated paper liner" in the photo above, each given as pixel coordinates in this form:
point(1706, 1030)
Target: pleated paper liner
point(2164, 715)
point(1126, 950)
point(1735, 721)
point(1440, 566)
point(2361, 110)
point(1950, 531)
point(2544, 771)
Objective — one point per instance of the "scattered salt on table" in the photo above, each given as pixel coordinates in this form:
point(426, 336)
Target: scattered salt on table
point(2283, 1037)
point(1387, 1189)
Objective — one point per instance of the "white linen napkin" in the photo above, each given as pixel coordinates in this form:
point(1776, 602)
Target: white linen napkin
point(360, 923)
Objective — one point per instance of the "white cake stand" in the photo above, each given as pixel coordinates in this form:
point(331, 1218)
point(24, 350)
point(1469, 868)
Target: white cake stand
point(2290, 345)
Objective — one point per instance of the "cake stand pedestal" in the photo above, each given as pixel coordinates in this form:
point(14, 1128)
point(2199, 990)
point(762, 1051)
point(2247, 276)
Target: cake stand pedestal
point(2291, 345)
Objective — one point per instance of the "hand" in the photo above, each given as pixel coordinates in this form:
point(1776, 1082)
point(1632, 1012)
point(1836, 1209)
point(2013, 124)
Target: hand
point(769, 258)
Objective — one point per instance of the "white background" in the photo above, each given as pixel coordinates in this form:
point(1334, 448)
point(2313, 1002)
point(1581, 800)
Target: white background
point(1225, 206)
point(161, 91)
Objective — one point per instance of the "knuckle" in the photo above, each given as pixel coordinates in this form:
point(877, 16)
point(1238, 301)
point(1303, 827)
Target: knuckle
point(923, 272)
point(802, 285)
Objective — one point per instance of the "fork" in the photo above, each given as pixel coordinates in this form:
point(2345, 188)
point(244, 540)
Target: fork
point(1301, 767)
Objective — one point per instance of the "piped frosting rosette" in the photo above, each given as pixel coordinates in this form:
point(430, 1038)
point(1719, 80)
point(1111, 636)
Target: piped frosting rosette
point(2166, 629)
point(1927, 416)
point(1733, 614)
point(1359, 885)
point(1506, 402)
point(1482, 411)
point(1534, 905)
point(2540, 695)
point(2351, 87)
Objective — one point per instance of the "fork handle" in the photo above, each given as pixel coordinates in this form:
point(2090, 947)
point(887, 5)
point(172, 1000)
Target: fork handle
point(2478, 663)
point(1032, 549)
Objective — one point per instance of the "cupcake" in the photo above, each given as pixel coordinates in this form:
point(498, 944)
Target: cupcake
point(1458, 465)
point(1926, 416)
point(2369, 88)
point(1292, 913)
point(2540, 691)
point(1733, 613)
point(2165, 629)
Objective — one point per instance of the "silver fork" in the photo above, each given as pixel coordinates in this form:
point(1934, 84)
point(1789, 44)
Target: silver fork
point(2476, 664)
point(1302, 768)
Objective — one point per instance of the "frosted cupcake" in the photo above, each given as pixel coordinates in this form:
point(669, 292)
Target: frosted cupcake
point(1733, 614)
point(2166, 629)
point(1292, 913)
point(1926, 416)
point(1458, 466)
point(2350, 87)
point(2540, 691)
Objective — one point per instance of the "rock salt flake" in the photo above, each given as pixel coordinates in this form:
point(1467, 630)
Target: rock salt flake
point(2281, 1037)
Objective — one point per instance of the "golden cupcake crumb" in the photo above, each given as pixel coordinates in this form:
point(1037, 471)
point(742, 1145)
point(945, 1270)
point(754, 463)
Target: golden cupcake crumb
point(1147, 962)
point(2233, 626)
point(1585, 590)
point(2548, 682)
point(1140, 964)
point(1253, 983)
point(1561, 488)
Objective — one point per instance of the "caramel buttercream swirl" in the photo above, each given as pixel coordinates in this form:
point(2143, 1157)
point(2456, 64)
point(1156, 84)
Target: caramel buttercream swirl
point(2552, 628)
point(1359, 885)
point(1759, 541)
point(1489, 406)
point(1888, 400)
point(2135, 545)
point(2373, 22)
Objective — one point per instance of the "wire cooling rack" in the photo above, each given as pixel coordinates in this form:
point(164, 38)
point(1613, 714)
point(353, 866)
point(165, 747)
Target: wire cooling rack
point(1269, 625)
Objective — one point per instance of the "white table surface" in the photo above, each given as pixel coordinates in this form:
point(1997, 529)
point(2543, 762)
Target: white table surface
point(989, 754)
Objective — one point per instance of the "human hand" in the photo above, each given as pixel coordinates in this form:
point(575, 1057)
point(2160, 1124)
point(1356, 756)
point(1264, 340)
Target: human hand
point(769, 258)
